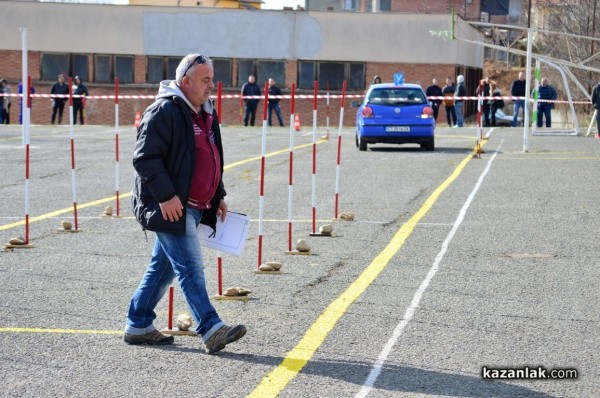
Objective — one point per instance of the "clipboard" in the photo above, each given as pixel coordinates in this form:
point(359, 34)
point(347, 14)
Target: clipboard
point(230, 235)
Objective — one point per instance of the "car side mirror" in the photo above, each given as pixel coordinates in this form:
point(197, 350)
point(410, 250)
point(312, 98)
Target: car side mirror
point(355, 104)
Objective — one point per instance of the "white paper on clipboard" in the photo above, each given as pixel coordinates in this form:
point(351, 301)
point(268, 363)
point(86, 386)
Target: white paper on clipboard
point(230, 236)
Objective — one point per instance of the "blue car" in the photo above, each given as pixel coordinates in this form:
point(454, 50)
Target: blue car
point(394, 114)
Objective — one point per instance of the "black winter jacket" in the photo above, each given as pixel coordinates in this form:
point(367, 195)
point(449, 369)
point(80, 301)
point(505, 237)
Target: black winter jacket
point(164, 159)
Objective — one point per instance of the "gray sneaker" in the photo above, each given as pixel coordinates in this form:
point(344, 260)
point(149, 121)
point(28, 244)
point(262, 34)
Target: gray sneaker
point(153, 338)
point(224, 336)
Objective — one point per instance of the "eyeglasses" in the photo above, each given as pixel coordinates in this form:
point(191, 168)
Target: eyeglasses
point(200, 59)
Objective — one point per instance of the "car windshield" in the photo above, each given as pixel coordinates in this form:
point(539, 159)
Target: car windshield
point(397, 96)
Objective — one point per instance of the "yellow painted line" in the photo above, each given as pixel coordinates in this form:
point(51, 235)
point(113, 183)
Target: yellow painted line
point(127, 194)
point(61, 331)
point(63, 211)
point(273, 383)
point(279, 152)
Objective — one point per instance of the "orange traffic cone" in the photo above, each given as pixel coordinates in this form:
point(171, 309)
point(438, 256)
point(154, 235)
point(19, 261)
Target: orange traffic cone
point(138, 119)
point(297, 122)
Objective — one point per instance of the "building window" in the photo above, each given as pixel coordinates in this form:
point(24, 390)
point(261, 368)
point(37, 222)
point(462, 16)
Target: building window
point(156, 70)
point(331, 75)
point(66, 64)
point(356, 79)
point(172, 64)
point(307, 75)
point(385, 5)
point(245, 69)
point(222, 68)
point(124, 68)
point(271, 70)
point(53, 65)
point(165, 68)
point(80, 67)
point(262, 70)
point(102, 69)
point(350, 5)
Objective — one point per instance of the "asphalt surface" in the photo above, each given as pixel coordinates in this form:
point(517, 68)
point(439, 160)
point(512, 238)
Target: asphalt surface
point(453, 263)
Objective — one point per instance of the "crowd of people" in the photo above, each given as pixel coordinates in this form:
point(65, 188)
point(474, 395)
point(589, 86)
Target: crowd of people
point(451, 96)
point(492, 100)
point(59, 92)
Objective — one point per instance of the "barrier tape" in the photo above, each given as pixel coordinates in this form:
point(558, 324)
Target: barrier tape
point(510, 98)
point(303, 96)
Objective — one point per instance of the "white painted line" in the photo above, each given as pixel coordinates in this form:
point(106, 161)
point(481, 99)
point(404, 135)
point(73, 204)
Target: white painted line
point(410, 311)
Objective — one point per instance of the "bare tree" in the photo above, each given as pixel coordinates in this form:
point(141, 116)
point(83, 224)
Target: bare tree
point(575, 23)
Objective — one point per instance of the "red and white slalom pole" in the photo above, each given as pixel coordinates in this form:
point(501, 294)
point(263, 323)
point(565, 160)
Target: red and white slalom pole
point(73, 171)
point(479, 128)
point(339, 152)
point(327, 112)
point(314, 160)
point(117, 145)
point(263, 152)
point(291, 176)
point(27, 114)
point(170, 311)
point(219, 254)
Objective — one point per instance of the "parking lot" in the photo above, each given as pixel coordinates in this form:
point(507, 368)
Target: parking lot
point(452, 264)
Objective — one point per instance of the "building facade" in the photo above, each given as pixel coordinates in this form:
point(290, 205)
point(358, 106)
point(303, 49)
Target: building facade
point(142, 45)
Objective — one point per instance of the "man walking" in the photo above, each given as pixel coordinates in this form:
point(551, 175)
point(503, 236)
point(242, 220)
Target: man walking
point(178, 161)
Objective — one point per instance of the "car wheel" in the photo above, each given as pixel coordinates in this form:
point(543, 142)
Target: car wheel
point(429, 145)
point(356, 139)
point(362, 144)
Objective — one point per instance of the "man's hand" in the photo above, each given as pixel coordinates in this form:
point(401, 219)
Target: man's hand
point(222, 210)
point(172, 209)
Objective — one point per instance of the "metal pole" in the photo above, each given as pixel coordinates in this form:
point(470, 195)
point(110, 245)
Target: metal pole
point(527, 92)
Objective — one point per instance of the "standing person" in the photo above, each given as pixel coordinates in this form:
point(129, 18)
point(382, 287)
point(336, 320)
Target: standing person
point(178, 162)
point(544, 109)
point(460, 92)
point(484, 90)
point(496, 103)
point(80, 91)
point(596, 104)
point(8, 92)
point(448, 93)
point(376, 79)
point(250, 89)
point(274, 103)
point(517, 89)
point(434, 91)
point(20, 91)
point(58, 103)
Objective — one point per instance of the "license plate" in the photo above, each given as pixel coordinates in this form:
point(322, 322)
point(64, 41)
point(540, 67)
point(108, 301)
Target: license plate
point(397, 129)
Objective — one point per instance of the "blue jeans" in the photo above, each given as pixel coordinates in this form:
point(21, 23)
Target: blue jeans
point(458, 107)
point(544, 111)
point(274, 106)
point(518, 104)
point(174, 256)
